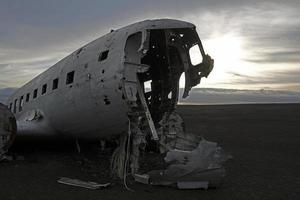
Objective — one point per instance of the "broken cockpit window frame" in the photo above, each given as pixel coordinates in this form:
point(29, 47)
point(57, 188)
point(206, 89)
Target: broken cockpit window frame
point(164, 54)
point(195, 55)
point(189, 47)
point(154, 61)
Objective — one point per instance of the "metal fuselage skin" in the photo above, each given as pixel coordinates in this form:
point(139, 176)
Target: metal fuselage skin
point(93, 105)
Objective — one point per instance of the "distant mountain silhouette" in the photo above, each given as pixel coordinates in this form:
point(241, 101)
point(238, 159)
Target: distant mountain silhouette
point(218, 96)
point(233, 96)
point(5, 93)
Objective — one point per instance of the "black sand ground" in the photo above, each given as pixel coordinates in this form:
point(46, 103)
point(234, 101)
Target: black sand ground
point(264, 140)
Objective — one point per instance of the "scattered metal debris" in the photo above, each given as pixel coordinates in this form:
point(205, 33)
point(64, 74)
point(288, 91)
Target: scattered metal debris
point(193, 185)
point(4, 157)
point(157, 58)
point(200, 168)
point(173, 136)
point(193, 162)
point(83, 184)
point(142, 178)
point(157, 107)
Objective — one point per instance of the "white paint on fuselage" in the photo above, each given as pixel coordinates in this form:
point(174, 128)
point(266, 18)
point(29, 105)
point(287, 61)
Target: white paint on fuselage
point(79, 109)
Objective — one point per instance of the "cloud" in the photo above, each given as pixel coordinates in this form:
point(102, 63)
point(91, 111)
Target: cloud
point(5, 93)
point(277, 57)
point(36, 34)
point(278, 77)
point(287, 79)
point(231, 96)
point(273, 33)
point(17, 74)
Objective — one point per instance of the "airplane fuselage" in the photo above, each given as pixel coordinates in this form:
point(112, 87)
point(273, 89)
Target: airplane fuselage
point(87, 94)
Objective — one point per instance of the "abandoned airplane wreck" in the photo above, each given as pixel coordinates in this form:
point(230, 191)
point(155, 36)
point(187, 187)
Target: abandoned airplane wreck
point(124, 85)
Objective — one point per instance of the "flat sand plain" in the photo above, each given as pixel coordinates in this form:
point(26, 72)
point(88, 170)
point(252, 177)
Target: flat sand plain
point(263, 139)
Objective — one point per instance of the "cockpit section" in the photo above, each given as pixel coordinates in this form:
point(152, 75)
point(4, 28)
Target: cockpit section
point(154, 61)
point(160, 56)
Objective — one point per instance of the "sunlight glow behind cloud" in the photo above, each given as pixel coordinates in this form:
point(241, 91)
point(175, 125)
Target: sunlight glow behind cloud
point(227, 51)
point(255, 44)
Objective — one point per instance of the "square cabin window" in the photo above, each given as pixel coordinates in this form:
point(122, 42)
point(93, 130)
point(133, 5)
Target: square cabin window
point(27, 97)
point(70, 77)
point(21, 103)
point(55, 84)
point(15, 105)
point(35, 93)
point(44, 89)
point(103, 55)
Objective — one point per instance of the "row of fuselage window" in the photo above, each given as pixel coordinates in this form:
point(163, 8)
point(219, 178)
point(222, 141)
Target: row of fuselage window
point(70, 79)
point(16, 106)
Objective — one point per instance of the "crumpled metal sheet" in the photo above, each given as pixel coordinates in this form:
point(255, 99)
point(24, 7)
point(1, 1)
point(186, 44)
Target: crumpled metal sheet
point(198, 179)
point(208, 155)
point(199, 168)
point(193, 162)
point(83, 184)
point(173, 136)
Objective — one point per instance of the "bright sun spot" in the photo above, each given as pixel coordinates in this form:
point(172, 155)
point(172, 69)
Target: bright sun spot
point(195, 55)
point(227, 53)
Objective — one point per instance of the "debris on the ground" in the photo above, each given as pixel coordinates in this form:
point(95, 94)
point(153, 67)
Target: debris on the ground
point(4, 157)
point(193, 185)
point(192, 180)
point(192, 162)
point(83, 184)
point(173, 136)
point(141, 178)
point(8, 158)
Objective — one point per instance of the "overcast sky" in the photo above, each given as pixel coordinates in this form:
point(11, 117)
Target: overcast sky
point(255, 43)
